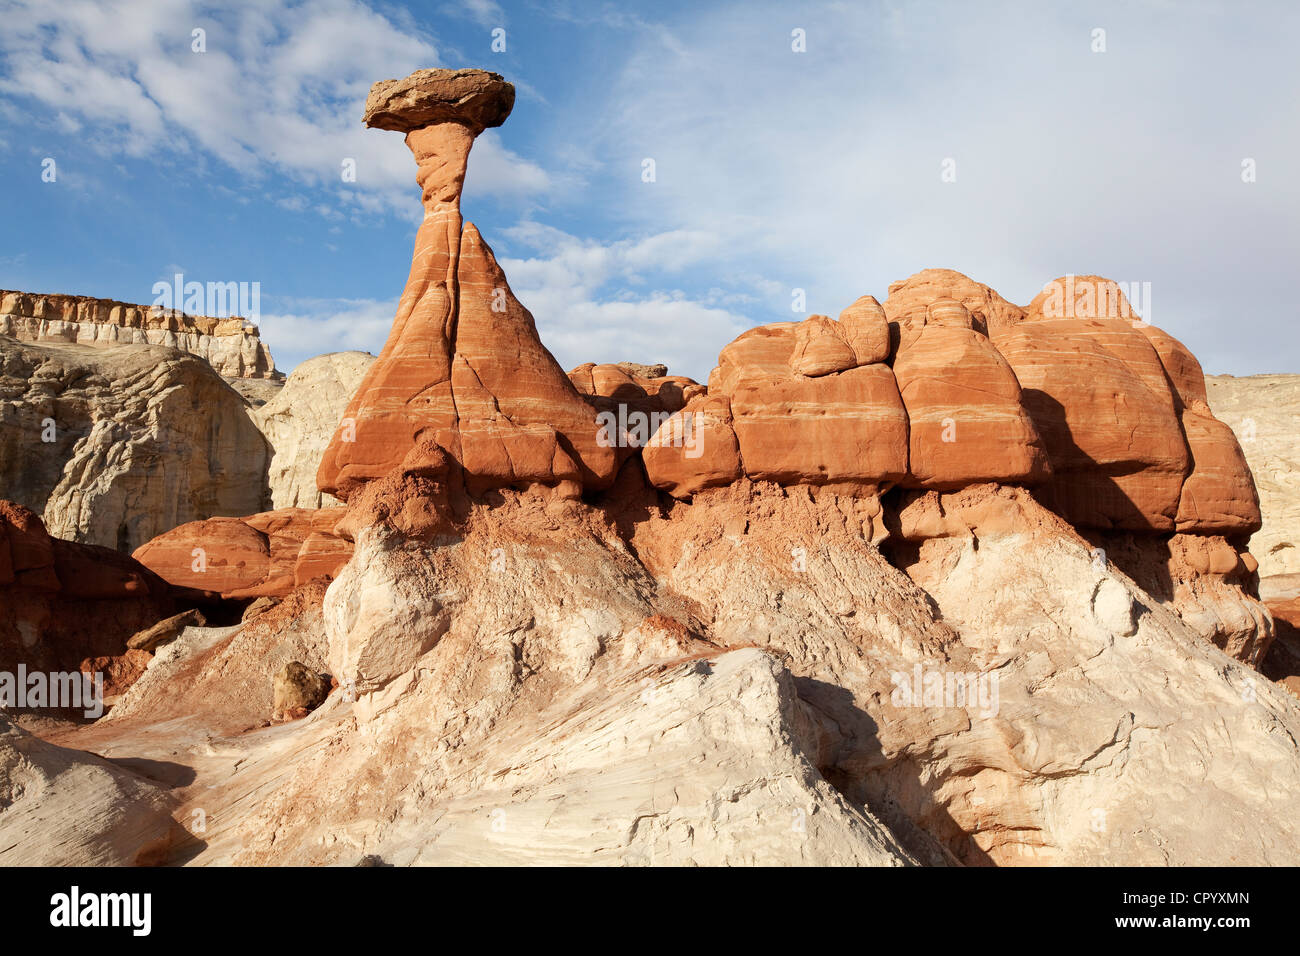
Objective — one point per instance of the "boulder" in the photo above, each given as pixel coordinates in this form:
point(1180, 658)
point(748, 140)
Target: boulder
point(65, 602)
point(168, 629)
point(1098, 396)
point(967, 423)
point(262, 555)
point(297, 691)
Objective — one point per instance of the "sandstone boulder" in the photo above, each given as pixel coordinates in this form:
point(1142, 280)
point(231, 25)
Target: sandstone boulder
point(967, 423)
point(694, 449)
point(909, 301)
point(262, 555)
point(65, 602)
point(1098, 396)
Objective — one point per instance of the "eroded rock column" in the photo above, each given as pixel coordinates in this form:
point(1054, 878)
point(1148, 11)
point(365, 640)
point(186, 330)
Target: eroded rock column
point(408, 389)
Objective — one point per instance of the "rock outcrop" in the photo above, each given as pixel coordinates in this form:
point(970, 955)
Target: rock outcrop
point(115, 445)
point(463, 365)
point(231, 345)
point(299, 421)
point(64, 807)
point(262, 555)
point(1262, 410)
point(943, 581)
point(62, 603)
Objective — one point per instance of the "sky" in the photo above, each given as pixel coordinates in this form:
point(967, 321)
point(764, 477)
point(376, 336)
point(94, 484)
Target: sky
point(830, 148)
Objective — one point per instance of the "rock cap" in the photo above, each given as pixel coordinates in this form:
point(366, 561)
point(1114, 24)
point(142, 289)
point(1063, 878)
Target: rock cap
point(477, 98)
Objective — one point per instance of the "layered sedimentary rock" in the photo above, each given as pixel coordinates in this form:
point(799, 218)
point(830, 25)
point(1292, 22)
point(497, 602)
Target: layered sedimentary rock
point(834, 639)
point(966, 419)
point(262, 555)
point(63, 602)
point(1073, 737)
point(116, 445)
point(463, 364)
point(231, 345)
point(1097, 394)
point(299, 421)
point(1263, 410)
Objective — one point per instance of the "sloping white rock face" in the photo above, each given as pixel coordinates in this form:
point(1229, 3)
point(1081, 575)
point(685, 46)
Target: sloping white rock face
point(727, 687)
point(701, 764)
point(1263, 411)
point(114, 446)
point(61, 807)
point(300, 421)
point(1111, 730)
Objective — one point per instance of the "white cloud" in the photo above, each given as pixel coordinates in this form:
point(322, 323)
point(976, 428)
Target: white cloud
point(303, 328)
point(578, 292)
point(281, 84)
point(821, 170)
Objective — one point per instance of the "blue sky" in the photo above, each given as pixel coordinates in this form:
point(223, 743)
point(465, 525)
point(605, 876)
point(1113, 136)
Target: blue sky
point(775, 169)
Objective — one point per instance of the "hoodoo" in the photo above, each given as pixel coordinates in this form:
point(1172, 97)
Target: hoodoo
point(463, 368)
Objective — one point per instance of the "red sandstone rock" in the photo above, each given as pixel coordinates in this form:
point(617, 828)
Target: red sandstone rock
point(1219, 495)
point(966, 420)
point(1098, 396)
point(845, 427)
point(694, 449)
point(866, 330)
point(262, 555)
point(463, 362)
point(62, 602)
point(820, 348)
point(909, 301)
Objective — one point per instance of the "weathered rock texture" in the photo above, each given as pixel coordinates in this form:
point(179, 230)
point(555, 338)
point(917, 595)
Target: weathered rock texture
point(230, 345)
point(262, 555)
point(536, 687)
point(463, 365)
point(116, 445)
point(62, 602)
point(299, 420)
point(850, 632)
point(1263, 411)
point(62, 807)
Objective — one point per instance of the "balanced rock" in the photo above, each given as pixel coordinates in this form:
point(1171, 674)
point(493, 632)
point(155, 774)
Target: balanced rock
point(463, 364)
